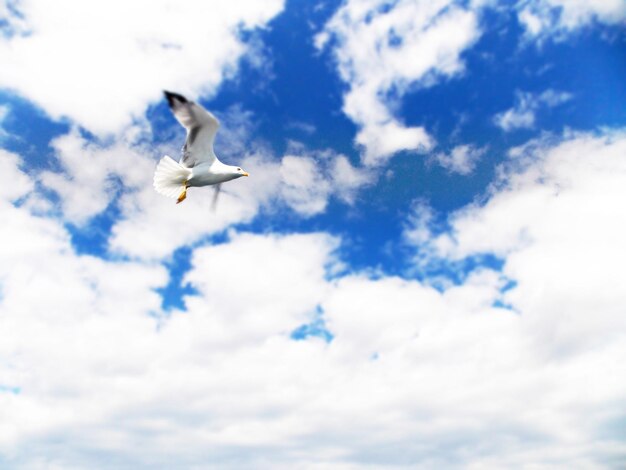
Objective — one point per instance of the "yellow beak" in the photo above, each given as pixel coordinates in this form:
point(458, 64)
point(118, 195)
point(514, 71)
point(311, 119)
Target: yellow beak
point(245, 173)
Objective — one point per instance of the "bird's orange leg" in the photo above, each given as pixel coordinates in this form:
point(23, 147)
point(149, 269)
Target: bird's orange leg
point(183, 195)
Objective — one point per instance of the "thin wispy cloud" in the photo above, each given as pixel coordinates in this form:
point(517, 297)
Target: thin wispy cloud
point(462, 159)
point(523, 114)
point(557, 18)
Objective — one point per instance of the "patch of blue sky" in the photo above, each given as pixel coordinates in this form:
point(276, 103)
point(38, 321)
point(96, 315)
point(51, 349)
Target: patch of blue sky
point(165, 129)
point(457, 271)
point(510, 284)
point(92, 237)
point(301, 87)
point(594, 68)
point(499, 303)
point(316, 328)
point(29, 132)
point(176, 290)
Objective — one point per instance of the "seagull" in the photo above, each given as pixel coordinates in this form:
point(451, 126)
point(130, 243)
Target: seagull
point(198, 165)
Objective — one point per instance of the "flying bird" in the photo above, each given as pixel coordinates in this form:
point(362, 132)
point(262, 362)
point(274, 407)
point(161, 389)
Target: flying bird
point(198, 165)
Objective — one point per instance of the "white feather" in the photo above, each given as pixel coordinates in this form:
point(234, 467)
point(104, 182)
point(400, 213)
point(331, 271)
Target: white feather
point(170, 177)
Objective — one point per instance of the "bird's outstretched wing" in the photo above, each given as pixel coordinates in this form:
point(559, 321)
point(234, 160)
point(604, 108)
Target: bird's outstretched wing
point(201, 128)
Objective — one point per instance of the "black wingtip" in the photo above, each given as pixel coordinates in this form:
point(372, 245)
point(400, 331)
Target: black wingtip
point(173, 97)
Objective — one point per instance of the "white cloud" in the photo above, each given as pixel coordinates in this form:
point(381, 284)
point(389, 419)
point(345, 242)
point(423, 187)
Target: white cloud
point(384, 50)
point(265, 285)
point(436, 374)
point(304, 188)
point(304, 127)
point(112, 59)
point(348, 179)
point(93, 174)
point(417, 230)
point(309, 180)
point(523, 114)
point(14, 184)
point(462, 159)
point(418, 233)
point(519, 117)
point(552, 98)
point(558, 17)
point(560, 227)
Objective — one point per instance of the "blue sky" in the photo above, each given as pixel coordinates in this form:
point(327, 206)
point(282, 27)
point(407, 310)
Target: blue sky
point(424, 269)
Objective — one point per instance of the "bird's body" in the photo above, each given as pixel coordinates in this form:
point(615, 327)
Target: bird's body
point(198, 166)
point(207, 174)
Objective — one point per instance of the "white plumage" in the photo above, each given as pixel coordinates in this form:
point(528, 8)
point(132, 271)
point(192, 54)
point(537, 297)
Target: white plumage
point(170, 177)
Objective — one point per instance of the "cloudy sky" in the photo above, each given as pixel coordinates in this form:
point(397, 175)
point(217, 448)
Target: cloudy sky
point(425, 268)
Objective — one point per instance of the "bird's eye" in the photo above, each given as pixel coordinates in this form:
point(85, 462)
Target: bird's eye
point(238, 169)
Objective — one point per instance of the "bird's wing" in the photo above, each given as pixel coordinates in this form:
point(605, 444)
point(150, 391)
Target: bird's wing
point(201, 128)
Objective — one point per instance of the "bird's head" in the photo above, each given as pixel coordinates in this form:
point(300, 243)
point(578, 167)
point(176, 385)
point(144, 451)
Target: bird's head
point(239, 172)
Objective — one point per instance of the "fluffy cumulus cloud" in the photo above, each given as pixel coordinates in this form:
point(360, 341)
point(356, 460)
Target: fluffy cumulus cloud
point(523, 114)
point(383, 50)
point(543, 18)
point(508, 368)
point(559, 225)
point(101, 64)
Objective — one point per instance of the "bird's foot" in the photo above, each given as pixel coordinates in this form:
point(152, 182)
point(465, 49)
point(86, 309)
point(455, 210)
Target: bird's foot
point(182, 196)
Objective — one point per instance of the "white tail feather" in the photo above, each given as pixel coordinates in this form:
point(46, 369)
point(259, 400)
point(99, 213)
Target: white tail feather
point(170, 177)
